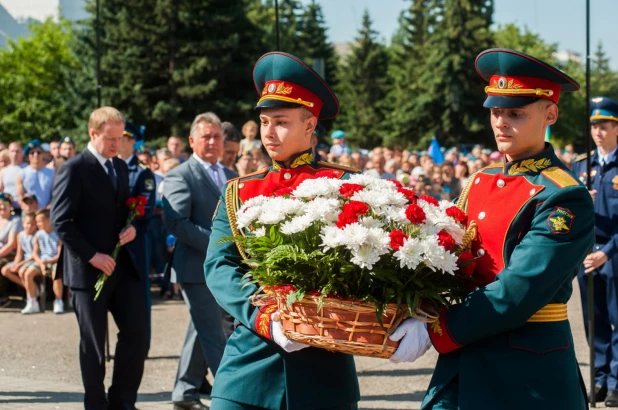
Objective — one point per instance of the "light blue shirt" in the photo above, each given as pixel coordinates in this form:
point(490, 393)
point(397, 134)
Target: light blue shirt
point(39, 183)
point(211, 172)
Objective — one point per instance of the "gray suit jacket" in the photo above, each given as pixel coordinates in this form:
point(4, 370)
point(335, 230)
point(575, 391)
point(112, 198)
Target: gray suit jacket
point(190, 198)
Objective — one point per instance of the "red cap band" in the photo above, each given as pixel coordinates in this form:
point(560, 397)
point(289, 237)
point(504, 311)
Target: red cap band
point(502, 85)
point(292, 93)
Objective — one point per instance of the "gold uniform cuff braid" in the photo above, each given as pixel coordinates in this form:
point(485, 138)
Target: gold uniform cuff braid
point(553, 312)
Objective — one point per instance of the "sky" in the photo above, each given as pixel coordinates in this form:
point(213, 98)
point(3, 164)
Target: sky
point(557, 21)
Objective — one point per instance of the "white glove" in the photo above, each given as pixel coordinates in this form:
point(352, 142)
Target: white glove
point(414, 341)
point(276, 332)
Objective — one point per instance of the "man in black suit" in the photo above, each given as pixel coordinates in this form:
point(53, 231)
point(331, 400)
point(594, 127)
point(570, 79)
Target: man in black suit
point(89, 213)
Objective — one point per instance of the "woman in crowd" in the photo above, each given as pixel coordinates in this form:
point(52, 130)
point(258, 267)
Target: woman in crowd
point(10, 226)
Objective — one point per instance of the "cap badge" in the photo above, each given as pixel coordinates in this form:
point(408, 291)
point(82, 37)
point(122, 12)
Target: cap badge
point(597, 99)
point(271, 88)
point(502, 82)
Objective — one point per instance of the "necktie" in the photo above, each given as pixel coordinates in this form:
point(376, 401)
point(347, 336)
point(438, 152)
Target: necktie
point(111, 174)
point(217, 178)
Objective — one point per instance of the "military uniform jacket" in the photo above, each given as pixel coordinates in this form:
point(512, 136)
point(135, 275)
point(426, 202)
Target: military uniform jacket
point(535, 227)
point(141, 182)
point(254, 370)
point(603, 179)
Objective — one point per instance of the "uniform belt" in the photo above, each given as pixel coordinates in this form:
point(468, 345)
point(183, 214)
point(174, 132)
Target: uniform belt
point(554, 312)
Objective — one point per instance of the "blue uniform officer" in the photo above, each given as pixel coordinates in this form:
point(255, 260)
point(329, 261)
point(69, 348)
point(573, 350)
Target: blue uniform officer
point(141, 182)
point(602, 262)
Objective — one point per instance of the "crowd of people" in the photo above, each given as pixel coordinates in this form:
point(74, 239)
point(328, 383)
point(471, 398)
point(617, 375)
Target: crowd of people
point(26, 177)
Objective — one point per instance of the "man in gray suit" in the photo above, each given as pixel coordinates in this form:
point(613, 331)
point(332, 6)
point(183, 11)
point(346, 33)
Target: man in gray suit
point(191, 193)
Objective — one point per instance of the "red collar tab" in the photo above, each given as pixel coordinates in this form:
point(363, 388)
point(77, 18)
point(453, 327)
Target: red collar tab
point(502, 85)
point(292, 93)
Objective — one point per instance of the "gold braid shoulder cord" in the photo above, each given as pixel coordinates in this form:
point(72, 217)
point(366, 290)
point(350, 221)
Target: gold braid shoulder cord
point(232, 207)
point(462, 203)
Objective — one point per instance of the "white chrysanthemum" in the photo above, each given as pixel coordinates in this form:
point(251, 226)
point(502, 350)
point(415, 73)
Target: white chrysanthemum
point(255, 201)
point(325, 210)
point(355, 235)
point(396, 214)
point(410, 254)
point(365, 256)
point(436, 257)
point(444, 205)
point(429, 229)
point(443, 221)
point(261, 231)
point(332, 237)
point(365, 180)
point(371, 222)
point(320, 187)
point(278, 208)
point(380, 197)
point(246, 216)
point(297, 224)
point(379, 240)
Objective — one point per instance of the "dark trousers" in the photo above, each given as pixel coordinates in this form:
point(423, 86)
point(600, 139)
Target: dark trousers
point(605, 316)
point(447, 398)
point(124, 296)
point(221, 404)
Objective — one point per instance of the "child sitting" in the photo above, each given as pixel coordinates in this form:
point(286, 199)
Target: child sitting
point(14, 271)
point(46, 251)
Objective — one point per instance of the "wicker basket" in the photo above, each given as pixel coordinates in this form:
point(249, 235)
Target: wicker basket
point(341, 325)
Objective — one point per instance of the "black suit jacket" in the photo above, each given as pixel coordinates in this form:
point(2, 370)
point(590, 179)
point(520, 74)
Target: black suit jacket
point(88, 216)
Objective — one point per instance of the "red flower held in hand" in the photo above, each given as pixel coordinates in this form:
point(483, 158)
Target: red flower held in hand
point(131, 202)
point(430, 200)
point(457, 214)
point(347, 190)
point(415, 214)
point(408, 193)
point(466, 263)
point(142, 199)
point(139, 211)
point(446, 240)
point(397, 239)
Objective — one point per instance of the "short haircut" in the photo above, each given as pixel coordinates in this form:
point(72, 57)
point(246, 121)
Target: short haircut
point(164, 152)
point(230, 132)
point(102, 116)
point(44, 212)
point(30, 215)
point(207, 118)
point(305, 114)
point(69, 142)
point(171, 163)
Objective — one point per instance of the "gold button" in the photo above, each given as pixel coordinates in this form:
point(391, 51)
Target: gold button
point(287, 175)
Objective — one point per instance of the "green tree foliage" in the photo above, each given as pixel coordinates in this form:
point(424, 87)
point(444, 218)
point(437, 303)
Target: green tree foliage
point(34, 73)
point(522, 39)
point(362, 88)
point(164, 62)
point(436, 91)
point(604, 81)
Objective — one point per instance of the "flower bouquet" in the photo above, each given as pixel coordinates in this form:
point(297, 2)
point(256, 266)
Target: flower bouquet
point(348, 260)
point(136, 209)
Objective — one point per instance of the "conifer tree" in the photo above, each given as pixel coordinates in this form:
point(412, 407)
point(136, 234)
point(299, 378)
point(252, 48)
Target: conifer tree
point(362, 87)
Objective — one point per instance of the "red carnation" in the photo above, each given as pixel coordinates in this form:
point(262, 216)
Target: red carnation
point(397, 183)
point(446, 240)
point(139, 211)
point(415, 214)
point(142, 200)
point(326, 173)
point(397, 238)
point(346, 218)
point(429, 199)
point(408, 193)
point(457, 214)
point(466, 263)
point(131, 202)
point(347, 190)
point(356, 208)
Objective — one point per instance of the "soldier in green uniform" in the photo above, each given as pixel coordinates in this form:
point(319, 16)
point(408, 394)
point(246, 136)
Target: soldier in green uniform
point(509, 344)
point(261, 368)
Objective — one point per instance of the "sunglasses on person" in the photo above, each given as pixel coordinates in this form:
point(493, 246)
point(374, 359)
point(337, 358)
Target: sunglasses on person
point(36, 152)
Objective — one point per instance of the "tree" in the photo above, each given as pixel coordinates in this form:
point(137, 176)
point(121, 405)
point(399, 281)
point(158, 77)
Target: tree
point(34, 73)
point(602, 78)
point(408, 55)
point(436, 89)
point(513, 37)
point(362, 89)
point(164, 62)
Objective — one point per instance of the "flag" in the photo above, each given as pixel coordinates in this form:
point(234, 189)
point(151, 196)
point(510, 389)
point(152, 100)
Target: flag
point(547, 133)
point(435, 152)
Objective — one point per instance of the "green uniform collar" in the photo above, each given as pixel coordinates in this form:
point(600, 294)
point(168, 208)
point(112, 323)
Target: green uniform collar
point(532, 165)
point(300, 159)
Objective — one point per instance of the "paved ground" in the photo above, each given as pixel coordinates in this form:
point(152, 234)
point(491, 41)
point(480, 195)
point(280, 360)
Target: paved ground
point(39, 367)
